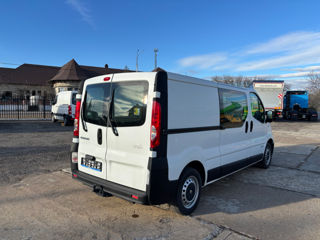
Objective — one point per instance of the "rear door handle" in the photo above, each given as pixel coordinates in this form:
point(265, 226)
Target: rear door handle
point(99, 136)
point(247, 125)
point(251, 126)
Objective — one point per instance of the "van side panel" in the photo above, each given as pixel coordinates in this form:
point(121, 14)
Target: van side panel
point(193, 126)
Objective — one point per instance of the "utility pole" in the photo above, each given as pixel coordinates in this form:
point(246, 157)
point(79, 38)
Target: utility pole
point(156, 50)
point(137, 59)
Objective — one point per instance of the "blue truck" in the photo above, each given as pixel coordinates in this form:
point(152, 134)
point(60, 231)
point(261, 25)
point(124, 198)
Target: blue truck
point(296, 106)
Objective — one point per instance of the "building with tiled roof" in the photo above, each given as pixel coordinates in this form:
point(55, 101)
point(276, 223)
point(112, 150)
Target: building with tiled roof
point(31, 79)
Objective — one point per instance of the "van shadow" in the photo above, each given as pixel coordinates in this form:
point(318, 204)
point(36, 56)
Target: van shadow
point(24, 126)
point(255, 189)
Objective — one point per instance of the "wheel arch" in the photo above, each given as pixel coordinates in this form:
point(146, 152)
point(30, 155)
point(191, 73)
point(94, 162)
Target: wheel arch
point(197, 165)
point(272, 143)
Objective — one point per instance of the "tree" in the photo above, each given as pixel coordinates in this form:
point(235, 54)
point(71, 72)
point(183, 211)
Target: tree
point(314, 90)
point(239, 81)
point(314, 82)
point(286, 87)
point(126, 67)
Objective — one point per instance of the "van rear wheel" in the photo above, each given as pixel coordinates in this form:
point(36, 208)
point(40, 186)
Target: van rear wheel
point(65, 121)
point(188, 193)
point(267, 157)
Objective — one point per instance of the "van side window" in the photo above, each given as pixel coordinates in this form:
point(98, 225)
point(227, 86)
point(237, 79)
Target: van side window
point(257, 109)
point(130, 103)
point(96, 104)
point(233, 108)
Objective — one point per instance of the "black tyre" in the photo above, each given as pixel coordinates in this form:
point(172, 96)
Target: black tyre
point(53, 118)
point(65, 121)
point(188, 193)
point(267, 157)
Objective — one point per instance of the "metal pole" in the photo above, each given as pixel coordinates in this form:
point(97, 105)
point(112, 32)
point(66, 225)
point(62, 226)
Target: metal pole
point(137, 58)
point(18, 103)
point(44, 107)
point(156, 50)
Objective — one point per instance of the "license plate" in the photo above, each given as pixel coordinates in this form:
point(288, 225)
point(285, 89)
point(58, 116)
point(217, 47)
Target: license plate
point(303, 116)
point(92, 164)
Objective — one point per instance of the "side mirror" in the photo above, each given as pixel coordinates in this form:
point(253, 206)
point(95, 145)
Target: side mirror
point(269, 116)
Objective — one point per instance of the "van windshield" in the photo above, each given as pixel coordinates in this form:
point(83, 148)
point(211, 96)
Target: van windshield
point(129, 103)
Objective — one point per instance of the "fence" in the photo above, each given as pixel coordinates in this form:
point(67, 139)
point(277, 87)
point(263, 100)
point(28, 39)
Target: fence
point(25, 109)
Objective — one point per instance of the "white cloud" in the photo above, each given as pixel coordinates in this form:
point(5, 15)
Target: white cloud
point(203, 61)
point(307, 56)
point(305, 69)
point(82, 10)
point(289, 42)
point(289, 50)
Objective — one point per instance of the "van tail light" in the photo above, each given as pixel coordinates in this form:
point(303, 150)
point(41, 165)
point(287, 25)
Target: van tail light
point(74, 157)
point(76, 119)
point(155, 125)
point(69, 110)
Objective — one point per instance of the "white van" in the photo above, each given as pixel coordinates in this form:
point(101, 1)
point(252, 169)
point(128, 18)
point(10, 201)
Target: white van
point(63, 107)
point(156, 137)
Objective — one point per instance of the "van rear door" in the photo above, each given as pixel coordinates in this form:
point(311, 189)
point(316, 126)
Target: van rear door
point(93, 129)
point(128, 139)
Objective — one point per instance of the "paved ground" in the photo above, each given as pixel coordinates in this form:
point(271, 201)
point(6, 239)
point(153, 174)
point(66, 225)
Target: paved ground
point(39, 202)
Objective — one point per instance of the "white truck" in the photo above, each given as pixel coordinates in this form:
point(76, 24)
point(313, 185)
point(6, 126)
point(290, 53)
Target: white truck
point(271, 94)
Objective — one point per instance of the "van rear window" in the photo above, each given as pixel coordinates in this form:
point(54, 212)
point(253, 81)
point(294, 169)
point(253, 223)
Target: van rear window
point(130, 103)
point(95, 108)
point(128, 107)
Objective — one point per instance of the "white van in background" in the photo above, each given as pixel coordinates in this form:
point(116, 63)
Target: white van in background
point(63, 107)
point(156, 137)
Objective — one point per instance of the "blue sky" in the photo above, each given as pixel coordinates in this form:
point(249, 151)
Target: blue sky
point(269, 38)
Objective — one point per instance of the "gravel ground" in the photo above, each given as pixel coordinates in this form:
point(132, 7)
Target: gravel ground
point(32, 147)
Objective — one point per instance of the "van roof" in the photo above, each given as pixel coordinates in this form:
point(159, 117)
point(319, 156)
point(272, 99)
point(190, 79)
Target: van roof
point(199, 81)
point(181, 78)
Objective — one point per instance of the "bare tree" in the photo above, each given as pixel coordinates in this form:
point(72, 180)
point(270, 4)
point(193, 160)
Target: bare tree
point(126, 67)
point(314, 90)
point(242, 81)
point(286, 87)
point(313, 82)
point(239, 81)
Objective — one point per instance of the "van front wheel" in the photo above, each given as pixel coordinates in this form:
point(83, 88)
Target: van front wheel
point(188, 193)
point(53, 119)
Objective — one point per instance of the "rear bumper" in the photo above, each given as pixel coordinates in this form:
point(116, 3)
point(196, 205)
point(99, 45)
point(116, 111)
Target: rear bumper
point(159, 190)
point(110, 187)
